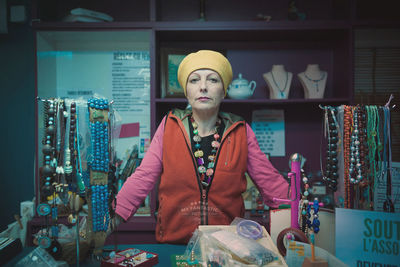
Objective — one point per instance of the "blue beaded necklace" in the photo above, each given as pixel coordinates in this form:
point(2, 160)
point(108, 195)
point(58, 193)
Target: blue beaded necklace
point(316, 81)
point(100, 212)
point(99, 163)
point(206, 173)
point(315, 224)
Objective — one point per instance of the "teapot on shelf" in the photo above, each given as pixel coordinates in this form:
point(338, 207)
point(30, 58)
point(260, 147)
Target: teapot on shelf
point(240, 88)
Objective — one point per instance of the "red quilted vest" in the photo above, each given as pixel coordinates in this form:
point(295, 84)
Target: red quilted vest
point(183, 203)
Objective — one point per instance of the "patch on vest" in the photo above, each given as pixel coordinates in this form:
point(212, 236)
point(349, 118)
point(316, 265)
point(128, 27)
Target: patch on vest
point(193, 211)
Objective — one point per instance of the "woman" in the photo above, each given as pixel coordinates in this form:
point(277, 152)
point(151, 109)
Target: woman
point(201, 156)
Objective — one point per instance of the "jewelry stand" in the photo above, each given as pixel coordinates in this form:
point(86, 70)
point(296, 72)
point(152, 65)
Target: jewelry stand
point(278, 81)
point(293, 232)
point(313, 81)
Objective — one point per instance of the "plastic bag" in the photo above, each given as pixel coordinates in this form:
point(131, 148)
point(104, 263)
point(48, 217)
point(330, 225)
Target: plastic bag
point(245, 249)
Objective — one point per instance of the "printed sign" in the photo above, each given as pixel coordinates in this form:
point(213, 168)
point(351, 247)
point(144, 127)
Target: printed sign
point(368, 238)
point(269, 128)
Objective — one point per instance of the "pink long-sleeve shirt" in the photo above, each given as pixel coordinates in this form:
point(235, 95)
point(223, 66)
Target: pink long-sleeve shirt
point(267, 179)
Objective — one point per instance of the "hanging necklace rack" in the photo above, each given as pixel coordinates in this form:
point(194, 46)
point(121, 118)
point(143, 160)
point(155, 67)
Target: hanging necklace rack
point(364, 143)
point(69, 157)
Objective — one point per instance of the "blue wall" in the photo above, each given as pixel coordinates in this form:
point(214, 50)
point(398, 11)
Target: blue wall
point(17, 147)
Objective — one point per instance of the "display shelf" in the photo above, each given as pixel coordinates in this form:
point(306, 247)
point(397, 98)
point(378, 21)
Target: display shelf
point(39, 25)
point(119, 10)
point(237, 10)
point(251, 25)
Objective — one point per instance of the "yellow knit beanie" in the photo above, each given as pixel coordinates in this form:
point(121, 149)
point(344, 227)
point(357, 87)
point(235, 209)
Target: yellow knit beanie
point(205, 59)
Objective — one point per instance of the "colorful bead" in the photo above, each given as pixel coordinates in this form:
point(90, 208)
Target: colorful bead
point(200, 161)
point(196, 138)
point(199, 154)
point(215, 144)
point(202, 169)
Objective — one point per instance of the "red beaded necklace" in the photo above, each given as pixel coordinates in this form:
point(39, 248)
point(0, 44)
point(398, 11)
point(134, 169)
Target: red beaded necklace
point(206, 173)
point(346, 152)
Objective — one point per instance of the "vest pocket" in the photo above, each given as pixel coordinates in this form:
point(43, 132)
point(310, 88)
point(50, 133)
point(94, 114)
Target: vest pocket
point(228, 150)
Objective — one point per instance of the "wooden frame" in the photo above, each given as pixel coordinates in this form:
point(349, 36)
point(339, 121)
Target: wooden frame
point(170, 60)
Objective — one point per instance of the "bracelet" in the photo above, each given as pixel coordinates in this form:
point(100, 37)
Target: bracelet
point(249, 229)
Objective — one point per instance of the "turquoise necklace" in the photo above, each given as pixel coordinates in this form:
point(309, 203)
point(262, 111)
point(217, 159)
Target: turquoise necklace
point(316, 81)
point(277, 86)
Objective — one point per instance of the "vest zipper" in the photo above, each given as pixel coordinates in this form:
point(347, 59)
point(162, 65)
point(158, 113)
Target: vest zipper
point(202, 190)
point(227, 151)
point(204, 201)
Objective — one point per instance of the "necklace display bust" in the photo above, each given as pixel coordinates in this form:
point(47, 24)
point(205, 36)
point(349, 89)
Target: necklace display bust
point(313, 80)
point(278, 81)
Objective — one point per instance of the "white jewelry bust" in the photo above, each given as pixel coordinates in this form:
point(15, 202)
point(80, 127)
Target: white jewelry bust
point(313, 80)
point(278, 81)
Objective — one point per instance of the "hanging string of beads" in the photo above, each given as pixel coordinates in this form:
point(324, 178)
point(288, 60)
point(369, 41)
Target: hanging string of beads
point(206, 174)
point(303, 204)
point(315, 224)
point(99, 144)
point(346, 153)
point(355, 173)
point(99, 163)
point(48, 149)
point(100, 211)
point(69, 167)
point(332, 128)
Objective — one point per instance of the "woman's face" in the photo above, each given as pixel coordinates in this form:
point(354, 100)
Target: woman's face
point(205, 90)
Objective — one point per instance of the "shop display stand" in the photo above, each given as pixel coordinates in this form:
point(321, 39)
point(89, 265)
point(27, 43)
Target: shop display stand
point(293, 232)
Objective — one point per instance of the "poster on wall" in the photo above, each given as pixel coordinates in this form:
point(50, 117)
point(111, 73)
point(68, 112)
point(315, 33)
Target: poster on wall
point(367, 238)
point(122, 77)
point(269, 128)
point(381, 193)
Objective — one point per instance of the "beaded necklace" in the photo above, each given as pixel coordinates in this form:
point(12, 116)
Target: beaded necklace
point(332, 129)
point(346, 153)
point(355, 174)
point(316, 81)
point(79, 171)
point(70, 151)
point(303, 205)
point(371, 132)
point(48, 149)
point(99, 164)
point(206, 173)
point(315, 224)
point(372, 144)
point(379, 137)
point(362, 138)
point(277, 86)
